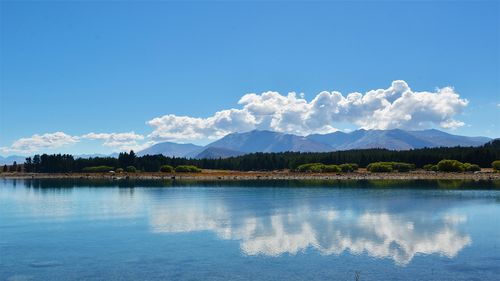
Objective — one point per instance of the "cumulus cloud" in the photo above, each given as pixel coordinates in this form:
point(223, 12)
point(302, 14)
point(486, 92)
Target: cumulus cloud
point(119, 141)
point(398, 106)
point(173, 127)
point(395, 107)
point(38, 142)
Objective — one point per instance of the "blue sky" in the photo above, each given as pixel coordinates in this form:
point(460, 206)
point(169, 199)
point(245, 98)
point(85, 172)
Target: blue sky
point(110, 67)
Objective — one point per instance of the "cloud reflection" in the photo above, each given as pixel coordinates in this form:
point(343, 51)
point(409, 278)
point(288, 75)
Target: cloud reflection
point(288, 231)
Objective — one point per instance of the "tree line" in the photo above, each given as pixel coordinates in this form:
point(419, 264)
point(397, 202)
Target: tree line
point(64, 163)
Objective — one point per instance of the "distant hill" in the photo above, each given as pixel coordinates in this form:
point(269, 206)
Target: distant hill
point(395, 139)
point(236, 144)
point(9, 160)
point(171, 149)
point(94, 155)
point(268, 141)
point(217, 152)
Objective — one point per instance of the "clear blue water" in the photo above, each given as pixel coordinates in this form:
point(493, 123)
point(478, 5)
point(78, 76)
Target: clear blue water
point(81, 230)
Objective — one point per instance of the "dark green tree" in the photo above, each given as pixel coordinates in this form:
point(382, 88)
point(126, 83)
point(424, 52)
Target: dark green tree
point(127, 159)
point(13, 167)
point(28, 165)
point(36, 163)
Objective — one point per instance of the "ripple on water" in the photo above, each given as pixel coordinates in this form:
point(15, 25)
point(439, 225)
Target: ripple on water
point(46, 264)
point(20, 278)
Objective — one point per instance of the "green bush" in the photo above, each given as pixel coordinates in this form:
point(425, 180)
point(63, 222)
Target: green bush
point(448, 165)
point(97, 169)
point(310, 167)
point(130, 169)
point(380, 167)
point(402, 167)
point(346, 168)
point(354, 166)
point(322, 168)
point(471, 167)
point(316, 168)
point(428, 167)
point(187, 169)
point(496, 165)
point(331, 169)
point(166, 169)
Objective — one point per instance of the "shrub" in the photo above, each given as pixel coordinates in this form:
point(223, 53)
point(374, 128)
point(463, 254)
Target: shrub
point(130, 169)
point(354, 166)
point(317, 168)
point(187, 169)
point(310, 167)
point(471, 167)
point(428, 167)
point(97, 169)
point(474, 168)
point(331, 169)
point(402, 167)
point(166, 169)
point(380, 167)
point(322, 168)
point(346, 167)
point(119, 170)
point(496, 165)
point(448, 165)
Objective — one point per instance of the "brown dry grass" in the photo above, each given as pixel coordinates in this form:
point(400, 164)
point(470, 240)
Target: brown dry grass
point(485, 174)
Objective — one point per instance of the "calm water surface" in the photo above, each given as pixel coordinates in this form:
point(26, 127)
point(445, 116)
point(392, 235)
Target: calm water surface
point(82, 230)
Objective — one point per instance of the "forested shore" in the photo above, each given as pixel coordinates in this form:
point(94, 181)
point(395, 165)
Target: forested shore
point(482, 156)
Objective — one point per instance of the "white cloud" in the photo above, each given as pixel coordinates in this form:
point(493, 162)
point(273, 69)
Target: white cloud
point(38, 142)
point(119, 141)
point(172, 127)
point(395, 107)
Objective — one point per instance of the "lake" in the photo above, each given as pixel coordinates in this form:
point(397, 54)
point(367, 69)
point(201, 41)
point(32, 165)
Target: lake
point(255, 230)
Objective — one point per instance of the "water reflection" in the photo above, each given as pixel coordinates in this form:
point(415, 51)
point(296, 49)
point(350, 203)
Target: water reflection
point(384, 223)
point(398, 236)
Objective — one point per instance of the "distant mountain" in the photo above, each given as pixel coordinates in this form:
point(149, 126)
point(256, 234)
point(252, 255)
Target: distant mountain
point(395, 139)
point(93, 155)
point(268, 141)
point(9, 160)
point(440, 138)
point(236, 144)
point(171, 149)
point(217, 152)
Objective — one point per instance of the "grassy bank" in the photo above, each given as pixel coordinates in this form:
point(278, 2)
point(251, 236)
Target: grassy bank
point(361, 174)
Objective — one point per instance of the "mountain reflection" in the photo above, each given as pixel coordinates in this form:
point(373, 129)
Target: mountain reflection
point(398, 236)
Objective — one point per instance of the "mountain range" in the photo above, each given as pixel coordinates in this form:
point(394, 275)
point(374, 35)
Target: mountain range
point(11, 159)
point(236, 144)
point(172, 149)
point(268, 141)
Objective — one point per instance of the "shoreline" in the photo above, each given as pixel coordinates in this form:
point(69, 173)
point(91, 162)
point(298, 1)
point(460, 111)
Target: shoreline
point(276, 175)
